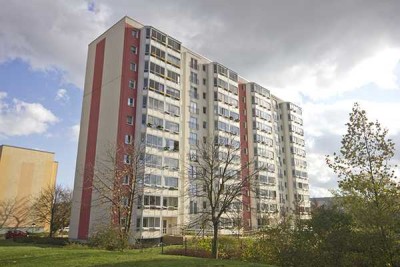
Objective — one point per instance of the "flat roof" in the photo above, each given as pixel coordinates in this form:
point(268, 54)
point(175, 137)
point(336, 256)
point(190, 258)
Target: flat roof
point(25, 148)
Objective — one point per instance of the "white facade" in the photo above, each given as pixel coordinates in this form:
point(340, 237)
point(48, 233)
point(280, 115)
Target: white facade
point(182, 99)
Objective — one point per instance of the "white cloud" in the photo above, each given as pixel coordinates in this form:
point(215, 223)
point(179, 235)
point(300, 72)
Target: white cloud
point(50, 35)
point(21, 118)
point(319, 191)
point(325, 118)
point(324, 80)
point(74, 132)
point(62, 95)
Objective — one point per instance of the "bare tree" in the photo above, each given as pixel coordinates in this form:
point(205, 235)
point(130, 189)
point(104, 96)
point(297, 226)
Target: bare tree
point(219, 179)
point(115, 180)
point(14, 212)
point(53, 207)
point(6, 211)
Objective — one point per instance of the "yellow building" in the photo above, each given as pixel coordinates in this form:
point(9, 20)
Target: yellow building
point(23, 174)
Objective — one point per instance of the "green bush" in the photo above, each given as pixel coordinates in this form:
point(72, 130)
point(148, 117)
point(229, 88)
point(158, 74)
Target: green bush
point(109, 238)
point(200, 243)
point(228, 247)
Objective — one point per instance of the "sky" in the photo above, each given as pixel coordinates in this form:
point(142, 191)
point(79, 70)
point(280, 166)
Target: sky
point(321, 55)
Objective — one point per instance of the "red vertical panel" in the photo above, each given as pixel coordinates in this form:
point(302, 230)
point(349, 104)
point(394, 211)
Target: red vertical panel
point(127, 92)
point(84, 216)
point(244, 145)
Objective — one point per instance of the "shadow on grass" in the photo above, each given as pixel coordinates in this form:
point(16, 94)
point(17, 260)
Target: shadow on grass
point(12, 243)
point(180, 262)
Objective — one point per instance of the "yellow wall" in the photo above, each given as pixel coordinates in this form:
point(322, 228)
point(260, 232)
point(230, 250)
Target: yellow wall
point(24, 173)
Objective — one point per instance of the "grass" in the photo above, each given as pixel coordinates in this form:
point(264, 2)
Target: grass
point(17, 254)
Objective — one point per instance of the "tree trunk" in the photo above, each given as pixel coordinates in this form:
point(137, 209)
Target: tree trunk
point(51, 221)
point(214, 249)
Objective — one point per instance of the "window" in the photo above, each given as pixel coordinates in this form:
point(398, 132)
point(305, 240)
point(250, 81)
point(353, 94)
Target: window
point(173, 60)
point(128, 139)
point(133, 49)
point(234, 116)
point(170, 202)
point(125, 180)
point(174, 44)
point(204, 81)
point(156, 104)
point(124, 201)
point(192, 172)
point(152, 200)
point(260, 90)
point(222, 126)
point(193, 123)
point(263, 193)
point(158, 36)
point(155, 122)
point(154, 141)
point(193, 93)
point(193, 63)
point(173, 92)
point(151, 222)
point(193, 207)
point(193, 139)
point(153, 160)
point(204, 125)
point(193, 108)
point(233, 76)
point(193, 78)
point(144, 102)
point(172, 145)
point(262, 114)
point(204, 110)
point(132, 84)
point(156, 69)
point(171, 181)
point(204, 95)
point(193, 155)
point(129, 120)
point(171, 163)
point(127, 159)
point(158, 87)
point(262, 139)
point(135, 33)
point(174, 110)
point(152, 179)
point(172, 126)
point(130, 102)
point(234, 130)
point(173, 76)
point(132, 66)
point(158, 53)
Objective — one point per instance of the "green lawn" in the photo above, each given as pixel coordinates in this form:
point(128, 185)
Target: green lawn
point(14, 254)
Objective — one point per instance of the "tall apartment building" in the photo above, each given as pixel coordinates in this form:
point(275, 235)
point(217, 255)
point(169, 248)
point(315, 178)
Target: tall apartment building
point(23, 174)
point(143, 86)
